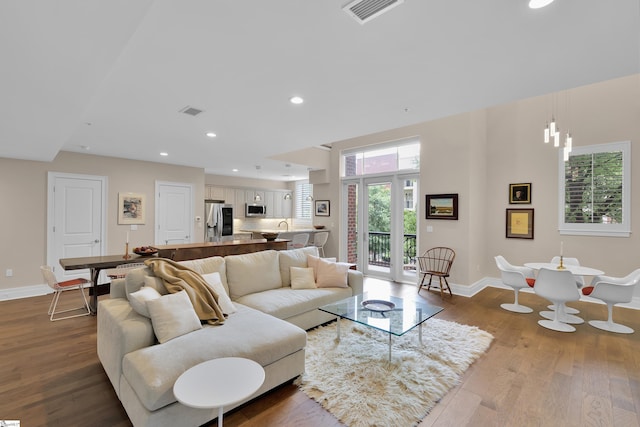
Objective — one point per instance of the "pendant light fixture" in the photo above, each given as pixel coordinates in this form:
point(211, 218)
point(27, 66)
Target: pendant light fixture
point(552, 130)
point(256, 196)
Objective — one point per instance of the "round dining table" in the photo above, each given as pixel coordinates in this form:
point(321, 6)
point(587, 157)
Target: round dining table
point(578, 270)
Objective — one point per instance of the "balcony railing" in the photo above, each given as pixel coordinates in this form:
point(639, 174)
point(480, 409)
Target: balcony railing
point(380, 250)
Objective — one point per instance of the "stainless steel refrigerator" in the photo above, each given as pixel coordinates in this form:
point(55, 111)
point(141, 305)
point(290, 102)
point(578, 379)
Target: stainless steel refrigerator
point(219, 221)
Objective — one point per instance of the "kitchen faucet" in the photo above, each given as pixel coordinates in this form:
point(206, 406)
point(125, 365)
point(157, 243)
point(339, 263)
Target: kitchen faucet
point(285, 223)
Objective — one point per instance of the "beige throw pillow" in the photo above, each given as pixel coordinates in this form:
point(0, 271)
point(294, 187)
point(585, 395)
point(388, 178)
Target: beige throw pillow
point(214, 281)
point(138, 300)
point(331, 274)
point(312, 261)
point(173, 315)
point(302, 278)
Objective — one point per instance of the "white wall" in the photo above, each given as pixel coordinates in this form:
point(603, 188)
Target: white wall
point(478, 155)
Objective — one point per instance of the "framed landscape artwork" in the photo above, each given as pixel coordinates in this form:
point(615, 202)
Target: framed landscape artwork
point(520, 194)
point(131, 207)
point(519, 224)
point(442, 206)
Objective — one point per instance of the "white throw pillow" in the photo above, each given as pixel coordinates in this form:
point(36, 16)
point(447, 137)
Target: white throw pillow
point(138, 299)
point(302, 278)
point(332, 274)
point(215, 284)
point(173, 315)
point(312, 261)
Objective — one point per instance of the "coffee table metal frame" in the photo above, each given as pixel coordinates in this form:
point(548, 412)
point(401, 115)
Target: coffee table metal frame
point(406, 315)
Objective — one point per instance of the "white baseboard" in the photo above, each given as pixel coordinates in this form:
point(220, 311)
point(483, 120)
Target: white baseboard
point(24, 292)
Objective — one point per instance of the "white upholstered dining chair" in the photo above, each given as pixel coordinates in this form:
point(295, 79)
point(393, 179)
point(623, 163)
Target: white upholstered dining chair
point(612, 290)
point(559, 287)
point(517, 278)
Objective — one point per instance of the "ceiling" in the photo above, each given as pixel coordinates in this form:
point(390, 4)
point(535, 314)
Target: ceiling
point(111, 77)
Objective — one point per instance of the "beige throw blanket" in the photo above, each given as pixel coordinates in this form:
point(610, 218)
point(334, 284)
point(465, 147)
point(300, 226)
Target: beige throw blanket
point(177, 277)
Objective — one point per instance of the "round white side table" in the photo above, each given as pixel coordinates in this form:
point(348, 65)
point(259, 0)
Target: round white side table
point(218, 383)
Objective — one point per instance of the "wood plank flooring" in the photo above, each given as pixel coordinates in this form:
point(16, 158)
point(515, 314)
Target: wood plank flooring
point(50, 374)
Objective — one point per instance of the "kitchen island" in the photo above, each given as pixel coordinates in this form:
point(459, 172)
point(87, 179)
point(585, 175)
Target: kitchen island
point(285, 234)
point(188, 251)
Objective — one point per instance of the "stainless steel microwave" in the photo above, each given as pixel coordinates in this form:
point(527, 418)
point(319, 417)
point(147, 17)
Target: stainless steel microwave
point(254, 209)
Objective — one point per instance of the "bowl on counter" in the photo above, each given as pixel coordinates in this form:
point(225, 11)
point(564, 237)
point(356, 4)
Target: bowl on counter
point(318, 227)
point(270, 236)
point(145, 250)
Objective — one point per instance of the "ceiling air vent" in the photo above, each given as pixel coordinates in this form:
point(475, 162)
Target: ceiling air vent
point(191, 111)
point(365, 10)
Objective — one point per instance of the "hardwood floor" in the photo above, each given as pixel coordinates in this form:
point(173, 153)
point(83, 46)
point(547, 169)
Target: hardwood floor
point(50, 374)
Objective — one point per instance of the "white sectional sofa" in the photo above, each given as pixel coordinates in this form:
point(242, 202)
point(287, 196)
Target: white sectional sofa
point(268, 327)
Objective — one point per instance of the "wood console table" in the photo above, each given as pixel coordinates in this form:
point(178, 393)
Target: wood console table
point(188, 251)
point(95, 264)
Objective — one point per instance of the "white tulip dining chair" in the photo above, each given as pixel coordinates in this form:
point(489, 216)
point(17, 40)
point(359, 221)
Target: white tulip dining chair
point(559, 287)
point(612, 290)
point(579, 280)
point(516, 277)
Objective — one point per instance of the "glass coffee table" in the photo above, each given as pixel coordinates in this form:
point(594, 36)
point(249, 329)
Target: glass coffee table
point(393, 315)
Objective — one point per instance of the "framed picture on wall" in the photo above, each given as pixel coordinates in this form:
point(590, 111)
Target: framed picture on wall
point(131, 208)
point(520, 194)
point(519, 224)
point(323, 208)
point(442, 206)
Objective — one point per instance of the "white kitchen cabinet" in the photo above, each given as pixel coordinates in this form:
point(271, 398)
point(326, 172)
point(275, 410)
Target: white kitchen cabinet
point(270, 202)
point(213, 192)
point(240, 200)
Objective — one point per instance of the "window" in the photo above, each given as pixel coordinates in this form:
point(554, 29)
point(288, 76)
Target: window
point(382, 159)
point(595, 193)
point(304, 207)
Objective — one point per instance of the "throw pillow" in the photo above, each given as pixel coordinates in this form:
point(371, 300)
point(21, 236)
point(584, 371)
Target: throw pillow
point(312, 261)
point(173, 315)
point(138, 299)
point(156, 283)
point(214, 281)
point(302, 278)
point(332, 274)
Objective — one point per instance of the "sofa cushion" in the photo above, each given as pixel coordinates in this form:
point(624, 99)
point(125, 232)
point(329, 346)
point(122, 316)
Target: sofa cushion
point(134, 279)
point(302, 278)
point(294, 258)
point(215, 284)
point(173, 315)
point(156, 283)
point(286, 302)
point(209, 265)
point(152, 371)
point(254, 272)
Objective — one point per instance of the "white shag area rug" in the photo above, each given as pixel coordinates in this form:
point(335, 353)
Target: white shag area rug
point(354, 380)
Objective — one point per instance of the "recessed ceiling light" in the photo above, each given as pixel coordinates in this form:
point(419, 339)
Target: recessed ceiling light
point(164, 153)
point(234, 170)
point(211, 134)
point(296, 100)
point(537, 4)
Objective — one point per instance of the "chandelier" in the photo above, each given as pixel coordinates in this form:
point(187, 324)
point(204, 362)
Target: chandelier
point(552, 131)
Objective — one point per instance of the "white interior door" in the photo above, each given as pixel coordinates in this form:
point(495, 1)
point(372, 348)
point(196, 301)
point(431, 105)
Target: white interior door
point(75, 215)
point(174, 213)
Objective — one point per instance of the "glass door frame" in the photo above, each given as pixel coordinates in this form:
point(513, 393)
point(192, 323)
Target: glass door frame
point(396, 180)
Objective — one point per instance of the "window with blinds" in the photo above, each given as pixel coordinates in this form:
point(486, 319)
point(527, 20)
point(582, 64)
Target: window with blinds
point(595, 190)
point(304, 207)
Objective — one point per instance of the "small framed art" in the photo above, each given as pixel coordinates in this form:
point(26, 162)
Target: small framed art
point(442, 206)
point(520, 194)
point(131, 208)
point(519, 224)
point(323, 208)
